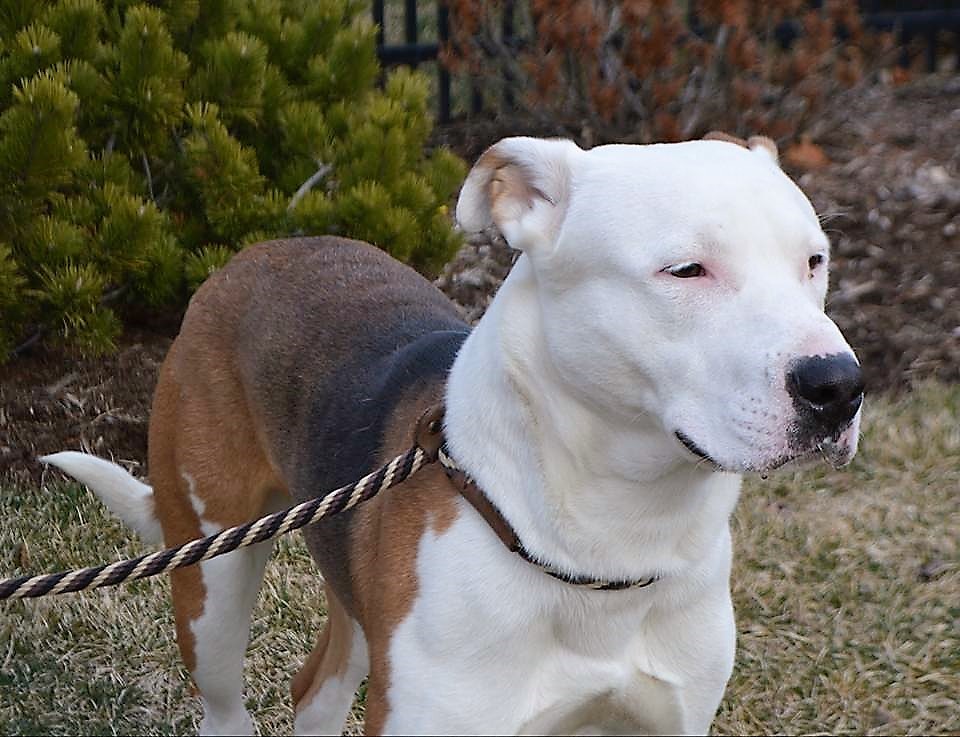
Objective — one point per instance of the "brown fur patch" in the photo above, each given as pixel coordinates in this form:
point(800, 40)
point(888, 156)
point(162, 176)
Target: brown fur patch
point(385, 541)
point(727, 137)
point(329, 657)
point(509, 188)
point(755, 142)
point(752, 143)
point(236, 409)
point(201, 428)
point(178, 519)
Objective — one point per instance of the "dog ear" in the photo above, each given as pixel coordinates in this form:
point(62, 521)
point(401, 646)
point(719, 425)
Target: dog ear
point(521, 186)
point(760, 144)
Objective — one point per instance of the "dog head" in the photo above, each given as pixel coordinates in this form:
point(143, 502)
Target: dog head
point(681, 285)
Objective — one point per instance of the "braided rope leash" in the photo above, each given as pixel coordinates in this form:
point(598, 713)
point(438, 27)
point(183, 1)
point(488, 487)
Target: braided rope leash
point(195, 551)
point(428, 448)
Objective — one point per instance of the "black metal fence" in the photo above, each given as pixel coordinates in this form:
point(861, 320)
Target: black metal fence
point(413, 51)
point(916, 19)
point(908, 19)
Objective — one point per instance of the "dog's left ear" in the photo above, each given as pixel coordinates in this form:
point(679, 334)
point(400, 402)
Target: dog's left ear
point(761, 144)
point(521, 186)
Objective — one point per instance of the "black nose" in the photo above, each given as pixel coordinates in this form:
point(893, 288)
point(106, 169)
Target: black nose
point(831, 387)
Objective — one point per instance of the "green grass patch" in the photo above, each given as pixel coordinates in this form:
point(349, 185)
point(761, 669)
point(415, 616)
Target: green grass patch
point(846, 586)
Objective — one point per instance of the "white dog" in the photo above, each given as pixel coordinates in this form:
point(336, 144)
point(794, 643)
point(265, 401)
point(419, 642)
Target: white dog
point(662, 333)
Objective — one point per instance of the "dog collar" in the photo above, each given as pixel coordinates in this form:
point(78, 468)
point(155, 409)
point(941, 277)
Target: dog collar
point(430, 433)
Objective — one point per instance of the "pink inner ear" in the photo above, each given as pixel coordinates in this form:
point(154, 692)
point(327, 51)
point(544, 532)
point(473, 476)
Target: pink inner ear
point(518, 185)
point(509, 192)
point(509, 180)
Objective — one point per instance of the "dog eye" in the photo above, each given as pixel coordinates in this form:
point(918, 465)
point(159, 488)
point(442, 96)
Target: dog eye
point(686, 271)
point(815, 260)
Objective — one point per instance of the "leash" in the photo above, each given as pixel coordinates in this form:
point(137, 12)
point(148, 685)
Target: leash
point(429, 447)
point(266, 528)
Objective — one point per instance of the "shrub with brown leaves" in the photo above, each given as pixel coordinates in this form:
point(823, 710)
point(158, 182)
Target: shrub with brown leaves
point(642, 70)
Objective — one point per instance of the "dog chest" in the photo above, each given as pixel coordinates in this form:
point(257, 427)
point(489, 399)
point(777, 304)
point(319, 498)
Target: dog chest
point(492, 641)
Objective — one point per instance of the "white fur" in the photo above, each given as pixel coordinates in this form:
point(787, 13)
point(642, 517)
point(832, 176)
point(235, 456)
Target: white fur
point(545, 165)
point(131, 500)
point(564, 403)
point(231, 583)
point(326, 712)
point(540, 657)
point(221, 632)
point(199, 506)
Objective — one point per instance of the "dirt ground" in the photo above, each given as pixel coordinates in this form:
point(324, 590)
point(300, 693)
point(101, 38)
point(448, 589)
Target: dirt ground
point(889, 196)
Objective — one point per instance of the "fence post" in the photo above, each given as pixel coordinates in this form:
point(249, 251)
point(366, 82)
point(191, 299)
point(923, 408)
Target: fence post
point(506, 26)
point(378, 20)
point(932, 49)
point(443, 76)
point(410, 27)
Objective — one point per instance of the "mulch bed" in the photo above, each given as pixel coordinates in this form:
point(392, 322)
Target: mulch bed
point(891, 201)
point(51, 402)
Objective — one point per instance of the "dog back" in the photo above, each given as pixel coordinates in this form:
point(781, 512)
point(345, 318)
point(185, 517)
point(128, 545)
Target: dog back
point(330, 337)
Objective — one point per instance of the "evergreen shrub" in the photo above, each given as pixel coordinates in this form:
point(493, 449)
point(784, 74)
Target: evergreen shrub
point(141, 145)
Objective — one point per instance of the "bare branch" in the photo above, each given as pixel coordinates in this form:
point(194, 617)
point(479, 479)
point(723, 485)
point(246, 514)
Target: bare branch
point(146, 170)
point(311, 182)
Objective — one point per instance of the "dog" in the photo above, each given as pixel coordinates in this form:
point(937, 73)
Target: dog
point(661, 334)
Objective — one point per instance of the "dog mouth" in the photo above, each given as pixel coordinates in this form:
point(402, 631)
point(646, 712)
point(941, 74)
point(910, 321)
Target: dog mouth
point(832, 450)
point(836, 447)
point(835, 452)
point(687, 442)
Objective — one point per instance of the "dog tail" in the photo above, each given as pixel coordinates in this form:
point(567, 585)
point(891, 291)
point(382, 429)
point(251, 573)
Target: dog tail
point(129, 499)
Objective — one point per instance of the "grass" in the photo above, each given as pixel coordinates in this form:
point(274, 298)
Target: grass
point(846, 586)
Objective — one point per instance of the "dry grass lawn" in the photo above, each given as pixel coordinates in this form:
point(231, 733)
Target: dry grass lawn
point(846, 586)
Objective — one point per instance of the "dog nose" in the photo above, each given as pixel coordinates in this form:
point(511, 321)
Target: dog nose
point(829, 386)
